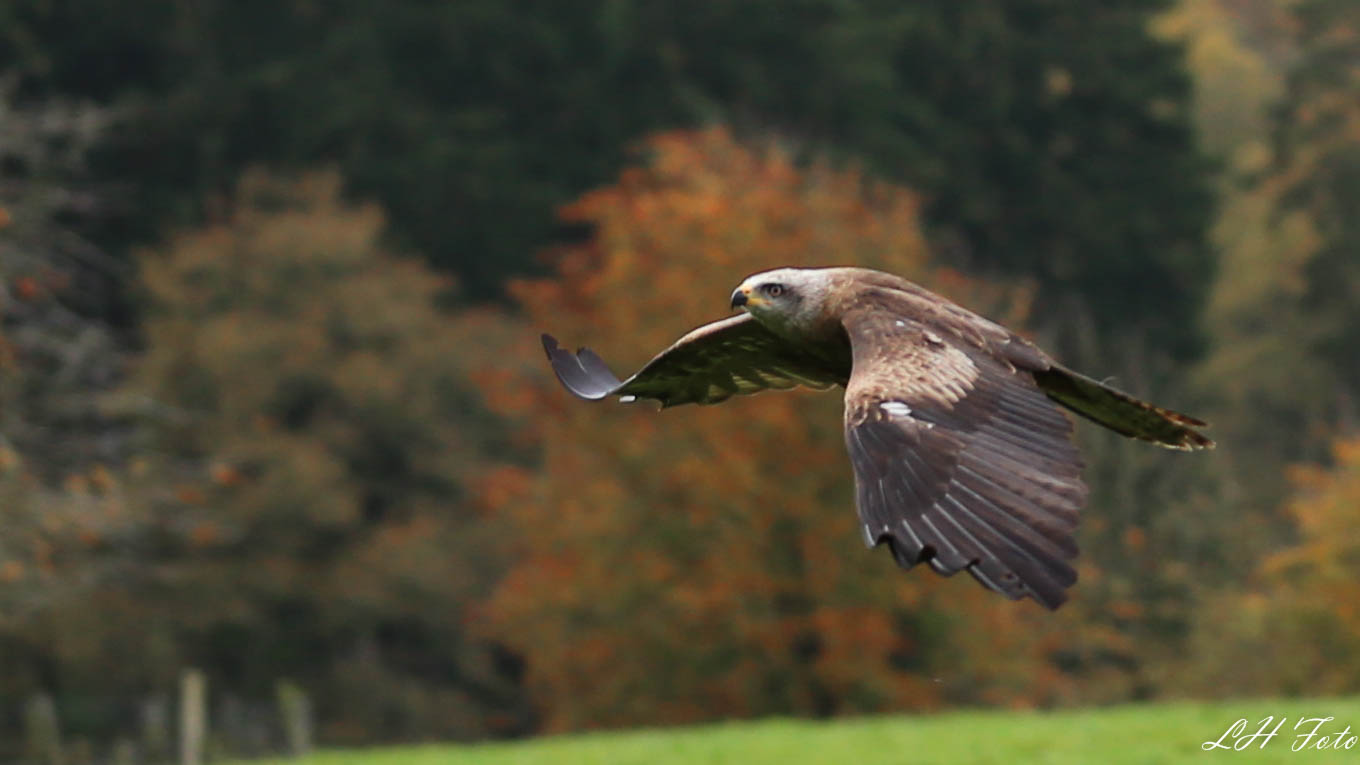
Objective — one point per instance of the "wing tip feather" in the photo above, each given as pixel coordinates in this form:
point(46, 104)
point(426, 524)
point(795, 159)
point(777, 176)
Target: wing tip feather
point(584, 374)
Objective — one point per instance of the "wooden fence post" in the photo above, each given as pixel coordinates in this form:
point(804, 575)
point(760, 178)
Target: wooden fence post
point(43, 736)
point(193, 716)
point(296, 710)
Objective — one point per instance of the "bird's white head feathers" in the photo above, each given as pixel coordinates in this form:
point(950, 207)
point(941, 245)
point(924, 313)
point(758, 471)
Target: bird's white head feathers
point(788, 301)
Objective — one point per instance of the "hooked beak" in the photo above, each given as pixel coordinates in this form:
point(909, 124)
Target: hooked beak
point(741, 296)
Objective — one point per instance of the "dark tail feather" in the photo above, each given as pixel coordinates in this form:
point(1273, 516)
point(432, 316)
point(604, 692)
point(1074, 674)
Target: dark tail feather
point(1121, 412)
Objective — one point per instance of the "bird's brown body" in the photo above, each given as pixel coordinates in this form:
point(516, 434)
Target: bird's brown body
point(961, 459)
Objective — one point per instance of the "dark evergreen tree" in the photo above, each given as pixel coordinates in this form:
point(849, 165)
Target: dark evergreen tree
point(1318, 159)
point(1051, 138)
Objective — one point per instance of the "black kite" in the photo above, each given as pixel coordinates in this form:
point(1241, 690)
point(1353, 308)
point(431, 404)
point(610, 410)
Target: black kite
point(961, 459)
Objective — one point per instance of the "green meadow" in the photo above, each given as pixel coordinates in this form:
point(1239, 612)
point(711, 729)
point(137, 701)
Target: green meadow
point(1125, 735)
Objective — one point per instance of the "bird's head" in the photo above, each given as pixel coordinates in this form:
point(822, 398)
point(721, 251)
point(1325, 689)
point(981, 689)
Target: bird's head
point(782, 299)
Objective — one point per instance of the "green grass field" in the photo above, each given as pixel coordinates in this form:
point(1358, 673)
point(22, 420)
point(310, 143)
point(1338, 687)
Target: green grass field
point(1122, 735)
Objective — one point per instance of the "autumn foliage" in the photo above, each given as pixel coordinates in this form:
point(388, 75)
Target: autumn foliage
point(309, 431)
point(1314, 586)
point(1301, 604)
point(705, 562)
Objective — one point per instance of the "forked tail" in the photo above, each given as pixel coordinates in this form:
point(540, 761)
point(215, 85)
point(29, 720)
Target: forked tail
point(1121, 412)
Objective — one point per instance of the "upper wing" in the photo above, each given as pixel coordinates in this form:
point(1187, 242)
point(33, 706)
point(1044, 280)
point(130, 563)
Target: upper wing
point(960, 460)
point(708, 365)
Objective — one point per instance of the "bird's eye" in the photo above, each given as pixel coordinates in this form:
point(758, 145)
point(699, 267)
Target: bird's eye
point(774, 290)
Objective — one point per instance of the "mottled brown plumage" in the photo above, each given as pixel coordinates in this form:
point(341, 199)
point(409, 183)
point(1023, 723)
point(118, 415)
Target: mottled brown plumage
point(961, 459)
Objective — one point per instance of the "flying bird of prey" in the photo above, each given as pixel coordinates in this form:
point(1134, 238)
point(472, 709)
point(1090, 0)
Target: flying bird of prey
point(962, 458)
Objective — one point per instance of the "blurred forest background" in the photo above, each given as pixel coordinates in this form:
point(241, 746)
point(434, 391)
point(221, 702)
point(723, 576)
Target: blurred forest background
point(272, 405)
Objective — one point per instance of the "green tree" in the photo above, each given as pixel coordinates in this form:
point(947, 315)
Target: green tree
point(303, 509)
point(1236, 52)
point(1283, 314)
point(1281, 320)
point(1318, 144)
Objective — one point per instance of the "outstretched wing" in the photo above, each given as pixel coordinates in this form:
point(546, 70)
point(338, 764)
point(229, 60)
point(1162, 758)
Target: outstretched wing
point(710, 364)
point(960, 460)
